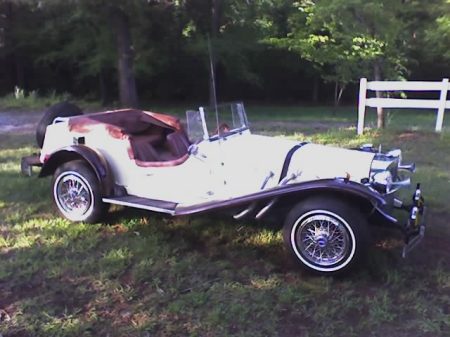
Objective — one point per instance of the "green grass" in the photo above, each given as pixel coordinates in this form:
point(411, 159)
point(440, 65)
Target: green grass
point(398, 119)
point(142, 274)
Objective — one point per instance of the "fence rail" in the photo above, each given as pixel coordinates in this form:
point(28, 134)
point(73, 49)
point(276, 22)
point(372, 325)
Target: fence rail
point(440, 104)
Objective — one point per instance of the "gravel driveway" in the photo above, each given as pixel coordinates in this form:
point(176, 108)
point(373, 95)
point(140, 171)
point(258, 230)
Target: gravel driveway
point(19, 121)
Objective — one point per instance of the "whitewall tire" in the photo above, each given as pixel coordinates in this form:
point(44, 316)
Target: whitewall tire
point(77, 192)
point(326, 235)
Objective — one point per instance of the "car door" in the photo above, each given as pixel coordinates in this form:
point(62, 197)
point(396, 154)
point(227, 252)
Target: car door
point(199, 179)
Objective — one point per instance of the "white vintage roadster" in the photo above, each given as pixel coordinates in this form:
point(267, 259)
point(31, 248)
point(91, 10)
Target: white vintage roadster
point(327, 197)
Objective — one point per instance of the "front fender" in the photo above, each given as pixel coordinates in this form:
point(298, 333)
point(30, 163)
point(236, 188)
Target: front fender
point(356, 195)
point(290, 194)
point(338, 186)
point(75, 152)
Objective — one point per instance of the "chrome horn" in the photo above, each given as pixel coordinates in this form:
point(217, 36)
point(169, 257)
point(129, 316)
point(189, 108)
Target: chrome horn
point(401, 183)
point(408, 167)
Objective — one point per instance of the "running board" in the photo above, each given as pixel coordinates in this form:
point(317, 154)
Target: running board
point(143, 203)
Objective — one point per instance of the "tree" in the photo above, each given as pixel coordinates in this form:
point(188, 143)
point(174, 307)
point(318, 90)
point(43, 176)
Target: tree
point(16, 42)
point(344, 39)
point(437, 33)
point(233, 28)
point(125, 57)
point(93, 37)
point(108, 49)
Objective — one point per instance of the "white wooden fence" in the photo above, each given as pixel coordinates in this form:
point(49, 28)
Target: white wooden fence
point(440, 104)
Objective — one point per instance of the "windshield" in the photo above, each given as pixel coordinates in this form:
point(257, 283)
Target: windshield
point(211, 123)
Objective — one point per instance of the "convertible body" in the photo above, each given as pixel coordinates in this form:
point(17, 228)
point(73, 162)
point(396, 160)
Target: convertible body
point(151, 161)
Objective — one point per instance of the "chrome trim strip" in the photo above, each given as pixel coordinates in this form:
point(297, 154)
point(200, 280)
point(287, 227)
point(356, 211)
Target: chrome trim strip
point(140, 206)
point(398, 203)
point(414, 242)
point(266, 208)
point(245, 212)
point(304, 187)
point(387, 216)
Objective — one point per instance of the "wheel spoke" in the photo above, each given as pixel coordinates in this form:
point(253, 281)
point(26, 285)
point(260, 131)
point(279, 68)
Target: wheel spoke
point(324, 240)
point(73, 194)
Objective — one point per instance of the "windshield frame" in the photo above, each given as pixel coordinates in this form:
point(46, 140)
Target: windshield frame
point(217, 122)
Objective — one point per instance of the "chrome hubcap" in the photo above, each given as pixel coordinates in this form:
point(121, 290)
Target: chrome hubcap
point(323, 240)
point(73, 194)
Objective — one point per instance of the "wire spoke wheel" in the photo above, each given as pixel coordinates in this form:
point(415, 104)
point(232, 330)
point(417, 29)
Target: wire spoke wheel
point(326, 235)
point(73, 194)
point(77, 192)
point(324, 240)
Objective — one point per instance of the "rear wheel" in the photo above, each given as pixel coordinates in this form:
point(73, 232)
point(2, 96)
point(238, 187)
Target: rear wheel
point(325, 235)
point(77, 192)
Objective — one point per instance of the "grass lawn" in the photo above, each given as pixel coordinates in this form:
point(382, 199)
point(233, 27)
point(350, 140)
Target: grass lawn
point(142, 274)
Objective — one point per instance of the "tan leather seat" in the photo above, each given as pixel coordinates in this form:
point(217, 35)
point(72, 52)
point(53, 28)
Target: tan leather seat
point(143, 149)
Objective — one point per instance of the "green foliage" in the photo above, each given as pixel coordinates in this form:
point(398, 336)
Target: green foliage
point(265, 49)
point(32, 100)
point(437, 32)
point(343, 39)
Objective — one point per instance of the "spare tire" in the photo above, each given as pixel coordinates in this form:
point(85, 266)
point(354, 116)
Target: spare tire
point(63, 109)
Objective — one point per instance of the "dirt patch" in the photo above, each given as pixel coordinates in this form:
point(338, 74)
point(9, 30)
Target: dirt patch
point(415, 137)
point(19, 121)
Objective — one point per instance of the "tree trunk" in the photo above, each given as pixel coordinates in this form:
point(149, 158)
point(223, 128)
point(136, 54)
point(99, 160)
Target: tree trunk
point(381, 120)
point(20, 72)
point(104, 97)
point(127, 83)
point(215, 26)
point(338, 91)
point(315, 89)
point(335, 98)
point(12, 67)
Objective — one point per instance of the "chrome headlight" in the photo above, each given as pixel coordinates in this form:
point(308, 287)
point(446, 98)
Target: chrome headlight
point(382, 181)
point(384, 173)
point(384, 170)
point(387, 171)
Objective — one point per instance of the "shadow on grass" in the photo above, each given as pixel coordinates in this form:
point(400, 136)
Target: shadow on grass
point(144, 272)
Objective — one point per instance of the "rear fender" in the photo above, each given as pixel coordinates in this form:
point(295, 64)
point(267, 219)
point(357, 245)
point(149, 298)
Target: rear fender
point(76, 152)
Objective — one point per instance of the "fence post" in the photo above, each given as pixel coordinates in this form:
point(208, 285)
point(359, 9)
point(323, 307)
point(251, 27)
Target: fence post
point(362, 105)
point(442, 102)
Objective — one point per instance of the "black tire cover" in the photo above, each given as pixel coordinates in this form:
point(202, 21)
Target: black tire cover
point(62, 109)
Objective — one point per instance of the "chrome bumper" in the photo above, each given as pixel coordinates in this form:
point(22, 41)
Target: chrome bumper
point(27, 163)
point(414, 229)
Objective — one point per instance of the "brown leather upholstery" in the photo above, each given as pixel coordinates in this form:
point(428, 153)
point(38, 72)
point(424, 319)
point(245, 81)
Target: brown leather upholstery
point(145, 145)
point(128, 120)
point(178, 143)
point(166, 163)
point(135, 126)
point(143, 149)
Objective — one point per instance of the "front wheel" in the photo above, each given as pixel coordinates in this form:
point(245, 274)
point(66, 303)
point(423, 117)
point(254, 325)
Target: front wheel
point(77, 192)
point(325, 235)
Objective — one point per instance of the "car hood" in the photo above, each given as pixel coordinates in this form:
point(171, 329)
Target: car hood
point(313, 161)
point(250, 159)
